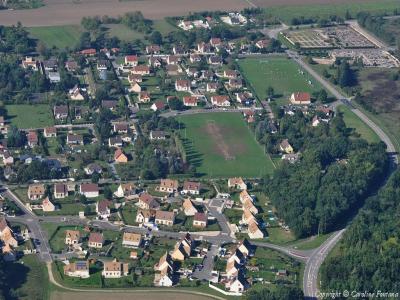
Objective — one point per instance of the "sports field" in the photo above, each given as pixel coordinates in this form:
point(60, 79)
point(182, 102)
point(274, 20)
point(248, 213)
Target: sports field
point(29, 116)
point(221, 145)
point(279, 72)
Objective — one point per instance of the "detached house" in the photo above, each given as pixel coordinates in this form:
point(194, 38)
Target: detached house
point(103, 209)
point(191, 187)
point(60, 190)
point(36, 191)
point(284, 146)
point(50, 132)
point(96, 240)
point(74, 139)
point(32, 138)
point(166, 218)
point(60, 112)
point(115, 269)
point(77, 269)
point(153, 49)
point(190, 101)
point(90, 190)
point(131, 240)
point(200, 220)
point(127, 190)
point(300, 98)
point(168, 186)
point(131, 60)
point(147, 201)
point(220, 100)
point(157, 135)
point(120, 157)
point(145, 216)
point(237, 183)
point(182, 86)
point(72, 237)
point(188, 208)
point(144, 97)
point(142, 70)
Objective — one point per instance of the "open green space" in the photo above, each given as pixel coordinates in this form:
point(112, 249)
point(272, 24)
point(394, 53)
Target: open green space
point(354, 122)
point(26, 279)
point(284, 75)
point(29, 116)
point(57, 36)
point(221, 145)
point(287, 12)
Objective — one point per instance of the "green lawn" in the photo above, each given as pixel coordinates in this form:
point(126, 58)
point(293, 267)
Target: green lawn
point(279, 72)
point(354, 122)
point(57, 36)
point(287, 13)
point(221, 145)
point(123, 32)
point(29, 116)
point(27, 278)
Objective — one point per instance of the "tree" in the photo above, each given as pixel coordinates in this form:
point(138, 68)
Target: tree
point(345, 75)
point(95, 177)
point(156, 38)
point(322, 96)
point(175, 104)
point(270, 92)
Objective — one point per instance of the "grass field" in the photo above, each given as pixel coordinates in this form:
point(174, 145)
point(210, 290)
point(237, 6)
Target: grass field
point(354, 122)
point(57, 36)
point(27, 278)
point(68, 35)
point(29, 116)
point(221, 145)
point(279, 72)
point(286, 13)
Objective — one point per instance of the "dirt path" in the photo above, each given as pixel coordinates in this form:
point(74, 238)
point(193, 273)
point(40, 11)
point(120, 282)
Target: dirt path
point(124, 294)
point(215, 133)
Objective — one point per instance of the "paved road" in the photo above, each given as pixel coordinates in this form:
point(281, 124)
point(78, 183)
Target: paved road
point(301, 255)
point(208, 264)
point(314, 262)
point(32, 222)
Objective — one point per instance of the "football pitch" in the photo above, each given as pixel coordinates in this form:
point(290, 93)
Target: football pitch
point(279, 72)
point(221, 145)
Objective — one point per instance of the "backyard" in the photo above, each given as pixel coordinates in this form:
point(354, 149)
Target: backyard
point(221, 145)
point(284, 75)
point(29, 116)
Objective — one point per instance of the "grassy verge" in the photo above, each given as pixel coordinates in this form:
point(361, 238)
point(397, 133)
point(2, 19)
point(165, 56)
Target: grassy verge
point(354, 122)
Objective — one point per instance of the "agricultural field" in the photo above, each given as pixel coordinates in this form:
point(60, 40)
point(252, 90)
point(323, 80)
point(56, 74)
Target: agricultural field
point(221, 145)
point(29, 116)
point(279, 72)
point(289, 9)
point(57, 36)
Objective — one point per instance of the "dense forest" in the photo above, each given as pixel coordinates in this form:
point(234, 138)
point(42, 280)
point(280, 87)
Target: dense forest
point(368, 257)
point(335, 174)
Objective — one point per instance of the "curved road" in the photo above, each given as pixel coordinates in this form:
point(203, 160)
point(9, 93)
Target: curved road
point(314, 262)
